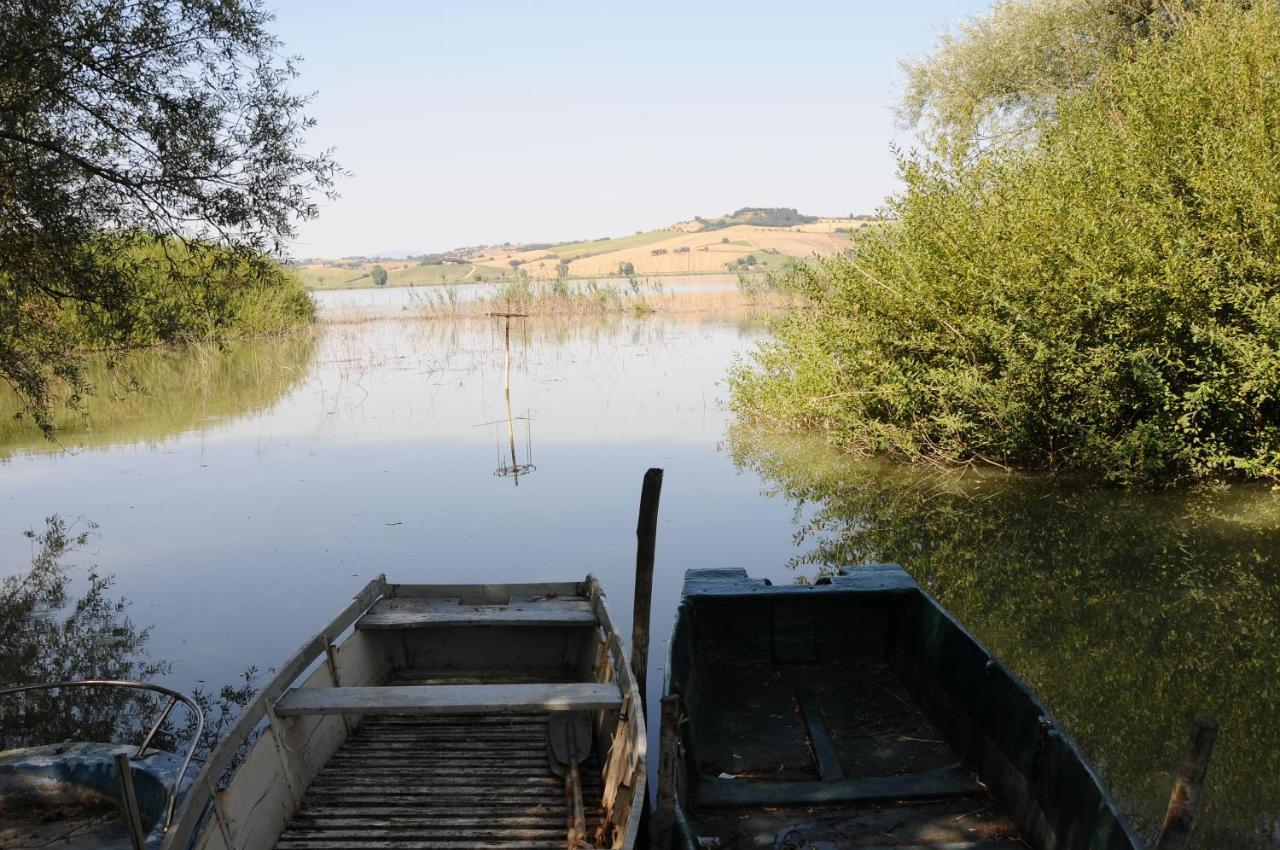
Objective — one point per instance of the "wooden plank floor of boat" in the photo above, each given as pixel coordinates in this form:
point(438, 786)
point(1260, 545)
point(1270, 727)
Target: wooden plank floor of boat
point(440, 783)
point(34, 828)
point(781, 745)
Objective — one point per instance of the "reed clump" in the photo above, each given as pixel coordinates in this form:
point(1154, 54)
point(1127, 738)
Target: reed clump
point(569, 299)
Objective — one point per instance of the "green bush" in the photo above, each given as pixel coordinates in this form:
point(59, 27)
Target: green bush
point(183, 294)
point(1106, 299)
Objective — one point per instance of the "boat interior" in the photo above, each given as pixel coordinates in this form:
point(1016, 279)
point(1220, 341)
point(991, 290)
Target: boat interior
point(85, 795)
point(428, 721)
point(36, 826)
point(859, 714)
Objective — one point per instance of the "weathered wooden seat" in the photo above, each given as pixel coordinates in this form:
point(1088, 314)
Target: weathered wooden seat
point(451, 699)
point(413, 613)
point(926, 785)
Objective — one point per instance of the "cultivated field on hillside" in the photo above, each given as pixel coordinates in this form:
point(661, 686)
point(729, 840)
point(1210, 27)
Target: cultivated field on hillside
point(691, 247)
point(319, 275)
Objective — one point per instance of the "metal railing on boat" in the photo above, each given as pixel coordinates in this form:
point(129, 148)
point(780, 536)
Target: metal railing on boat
point(174, 698)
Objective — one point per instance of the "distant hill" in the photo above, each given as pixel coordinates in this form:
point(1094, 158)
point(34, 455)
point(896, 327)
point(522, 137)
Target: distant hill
point(759, 217)
point(755, 238)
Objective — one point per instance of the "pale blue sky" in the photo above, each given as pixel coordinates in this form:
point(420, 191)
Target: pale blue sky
point(478, 122)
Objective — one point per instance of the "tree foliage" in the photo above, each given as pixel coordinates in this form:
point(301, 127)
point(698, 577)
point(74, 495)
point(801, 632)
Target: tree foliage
point(757, 217)
point(992, 82)
point(379, 275)
point(127, 128)
point(1106, 299)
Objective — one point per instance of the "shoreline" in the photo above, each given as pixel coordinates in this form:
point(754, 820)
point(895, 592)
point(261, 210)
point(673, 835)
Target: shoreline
point(643, 305)
point(708, 278)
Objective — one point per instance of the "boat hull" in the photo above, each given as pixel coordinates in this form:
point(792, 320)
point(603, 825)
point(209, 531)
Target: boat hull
point(859, 712)
point(419, 718)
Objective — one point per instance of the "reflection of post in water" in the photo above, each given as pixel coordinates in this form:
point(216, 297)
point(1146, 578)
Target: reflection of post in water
point(514, 468)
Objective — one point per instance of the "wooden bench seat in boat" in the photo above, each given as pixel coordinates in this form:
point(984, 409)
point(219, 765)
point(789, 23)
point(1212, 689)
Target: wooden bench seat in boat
point(451, 699)
point(414, 613)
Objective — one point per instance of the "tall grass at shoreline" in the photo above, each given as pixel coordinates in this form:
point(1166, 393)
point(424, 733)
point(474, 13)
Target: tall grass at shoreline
point(564, 298)
point(553, 297)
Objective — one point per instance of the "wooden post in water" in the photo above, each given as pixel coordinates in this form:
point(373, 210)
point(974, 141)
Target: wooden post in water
point(506, 394)
point(516, 468)
point(1188, 785)
point(646, 535)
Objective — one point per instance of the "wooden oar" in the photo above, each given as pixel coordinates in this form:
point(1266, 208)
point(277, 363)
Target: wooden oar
point(568, 744)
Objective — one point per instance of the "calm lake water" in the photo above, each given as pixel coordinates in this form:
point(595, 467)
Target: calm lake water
point(245, 494)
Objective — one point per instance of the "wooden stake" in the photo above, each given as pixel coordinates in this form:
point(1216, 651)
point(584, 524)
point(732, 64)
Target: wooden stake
point(129, 797)
point(1188, 785)
point(664, 811)
point(646, 534)
point(577, 826)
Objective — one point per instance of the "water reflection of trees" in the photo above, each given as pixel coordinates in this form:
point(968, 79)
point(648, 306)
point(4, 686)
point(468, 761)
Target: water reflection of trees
point(152, 394)
point(58, 623)
point(1129, 612)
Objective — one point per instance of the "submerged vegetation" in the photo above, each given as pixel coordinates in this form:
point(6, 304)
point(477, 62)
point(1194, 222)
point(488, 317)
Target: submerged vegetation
point(166, 292)
point(152, 395)
point(1101, 295)
point(561, 296)
point(198, 296)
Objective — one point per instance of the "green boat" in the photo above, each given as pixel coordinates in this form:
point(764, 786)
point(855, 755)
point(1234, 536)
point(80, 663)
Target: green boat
point(856, 712)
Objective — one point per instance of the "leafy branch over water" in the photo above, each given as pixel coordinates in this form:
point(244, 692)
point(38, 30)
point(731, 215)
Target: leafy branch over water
point(151, 163)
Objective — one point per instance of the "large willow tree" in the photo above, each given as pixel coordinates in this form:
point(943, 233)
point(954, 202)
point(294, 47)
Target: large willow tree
point(994, 80)
point(1095, 289)
point(137, 139)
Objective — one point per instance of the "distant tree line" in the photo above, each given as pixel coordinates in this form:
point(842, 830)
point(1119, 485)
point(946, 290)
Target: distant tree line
point(760, 217)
